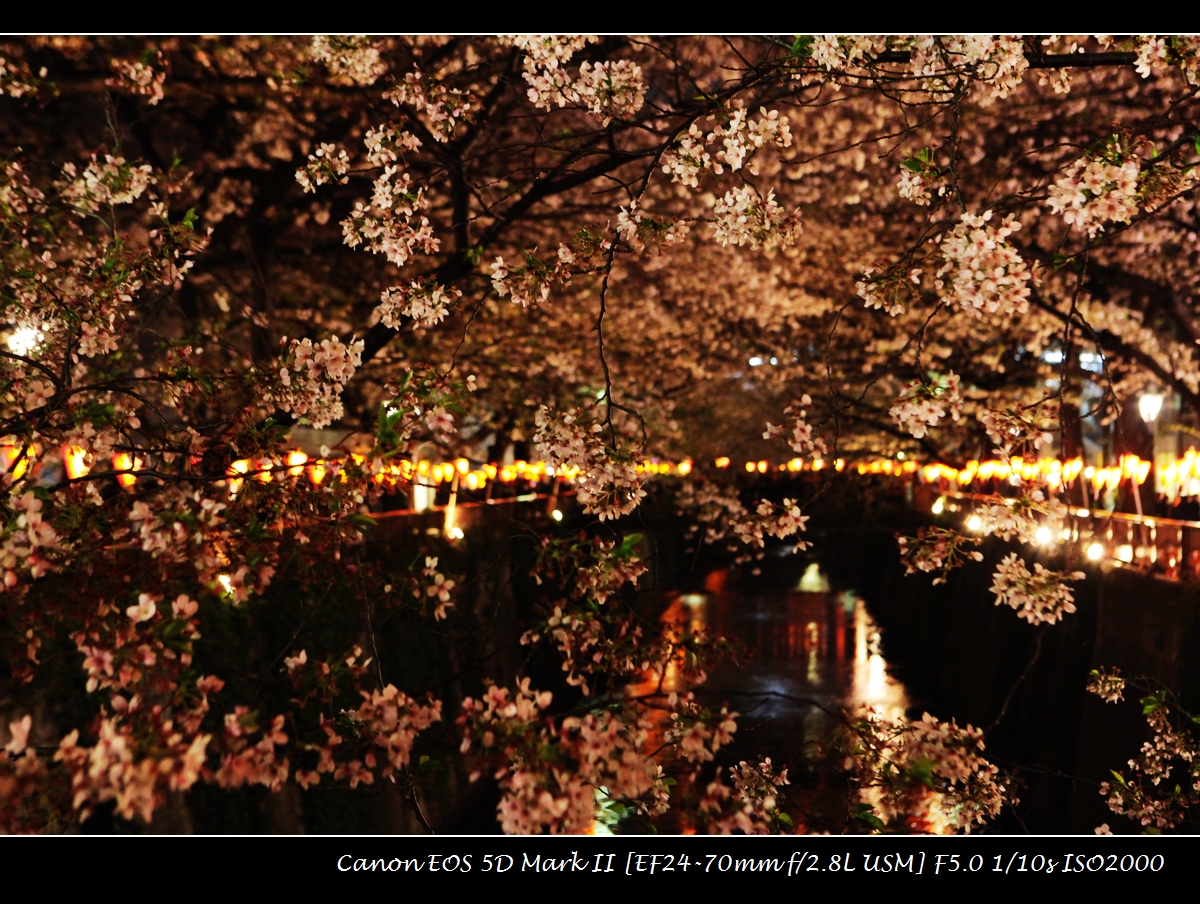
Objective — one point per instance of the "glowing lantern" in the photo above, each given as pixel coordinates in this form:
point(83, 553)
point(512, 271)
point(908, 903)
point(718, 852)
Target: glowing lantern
point(123, 461)
point(241, 466)
point(296, 462)
point(75, 461)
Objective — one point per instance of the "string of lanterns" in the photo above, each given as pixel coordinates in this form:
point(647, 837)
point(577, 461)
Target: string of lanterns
point(1178, 478)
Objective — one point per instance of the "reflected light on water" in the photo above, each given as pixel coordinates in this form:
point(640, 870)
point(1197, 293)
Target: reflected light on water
point(871, 684)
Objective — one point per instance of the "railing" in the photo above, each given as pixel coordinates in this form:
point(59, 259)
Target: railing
point(1164, 547)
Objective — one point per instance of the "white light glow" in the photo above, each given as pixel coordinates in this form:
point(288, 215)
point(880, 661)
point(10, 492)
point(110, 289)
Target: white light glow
point(556, 515)
point(939, 506)
point(1149, 406)
point(975, 523)
point(24, 340)
point(1043, 535)
point(1125, 552)
point(1095, 551)
point(756, 361)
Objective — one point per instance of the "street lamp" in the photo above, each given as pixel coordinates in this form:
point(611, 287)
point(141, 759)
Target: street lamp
point(1149, 406)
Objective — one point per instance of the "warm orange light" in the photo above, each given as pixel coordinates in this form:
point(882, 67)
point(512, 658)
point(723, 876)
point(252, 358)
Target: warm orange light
point(316, 472)
point(685, 467)
point(462, 465)
point(750, 466)
point(263, 470)
point(241, 466)
point(840, 464)
point(819, 463)
point(9, 454)
point(722, 462)
point(124, 461)
point(296, 462)
point(75, 461)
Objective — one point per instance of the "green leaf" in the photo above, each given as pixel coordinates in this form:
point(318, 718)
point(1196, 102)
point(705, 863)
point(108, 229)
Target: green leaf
point(802, 47)
point(865, 814)
point(628, 545)
point(363, 523)
point(785, 819)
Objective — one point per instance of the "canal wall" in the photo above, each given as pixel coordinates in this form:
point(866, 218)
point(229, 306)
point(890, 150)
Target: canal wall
point(963, 657)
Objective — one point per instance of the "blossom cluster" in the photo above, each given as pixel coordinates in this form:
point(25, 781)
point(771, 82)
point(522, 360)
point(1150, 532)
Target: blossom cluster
point(609, 89)
point(801, 438)
point(924, 776)
point(639, 231)
point(139, 77)
point(445, 108)
point(751, 806)
point(1020, 516)
point(981, 271)
point(940, 61)
point(1155, 54)
point(937, 549)
point(350, 59)
point(742, 216)
point(698, 733)
point(550, 775)
point(312, 377)
point(1042, 596)
point(387, 144)
point(608, 484)
point(1093, 191)
point(391, 223)
point(925, 403)
point(734, 143)
point(1015, 431)
point(1109, 686)
point(781, 521)
point(427, 304)
point(1148, 794)
point(881, 288)
point(327, 166)
point(113, 181)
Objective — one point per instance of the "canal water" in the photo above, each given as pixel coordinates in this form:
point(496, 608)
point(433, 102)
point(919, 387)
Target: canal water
point(812, 651)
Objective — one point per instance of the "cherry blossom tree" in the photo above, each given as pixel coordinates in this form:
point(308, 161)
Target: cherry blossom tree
point(616, 248)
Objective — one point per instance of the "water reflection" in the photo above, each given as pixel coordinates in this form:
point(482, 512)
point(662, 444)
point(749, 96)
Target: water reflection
point(814, 652)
